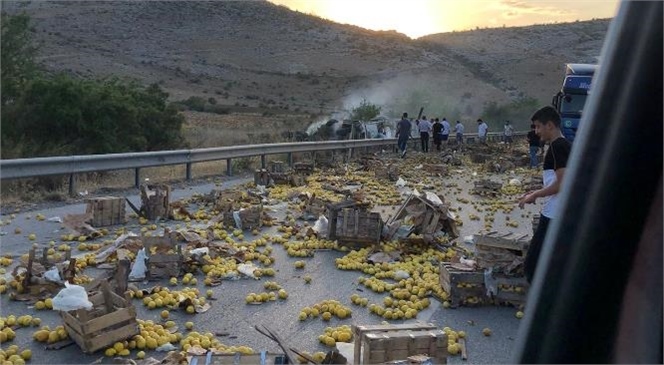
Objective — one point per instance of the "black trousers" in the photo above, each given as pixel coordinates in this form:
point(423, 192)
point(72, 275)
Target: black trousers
point(424, 136)
point(533, 254)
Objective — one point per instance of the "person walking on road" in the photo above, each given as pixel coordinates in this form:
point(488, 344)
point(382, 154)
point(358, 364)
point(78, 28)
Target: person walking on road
point(437, 130)
point(446, 130)
point(425, 129)
point(403, 133)
point(458, 128)
point(534, 146)
point(482, 130)
point(508, 133)
point(547, 127)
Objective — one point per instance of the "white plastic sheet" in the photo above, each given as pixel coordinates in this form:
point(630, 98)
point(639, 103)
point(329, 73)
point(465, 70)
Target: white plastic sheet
point(72, 297)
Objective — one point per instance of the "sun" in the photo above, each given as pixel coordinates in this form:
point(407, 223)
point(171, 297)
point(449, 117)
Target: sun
point(414, 18)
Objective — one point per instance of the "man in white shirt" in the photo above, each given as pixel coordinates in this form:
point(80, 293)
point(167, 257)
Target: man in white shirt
point(508, 132)
point(446, 130)
point(482, 130)
point(458, 128)
point(425, 129)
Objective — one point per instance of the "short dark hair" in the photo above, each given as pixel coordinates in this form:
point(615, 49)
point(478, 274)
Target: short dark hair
point(547, 115)
point(479, 120)
point(405, 115)
point(532, 126)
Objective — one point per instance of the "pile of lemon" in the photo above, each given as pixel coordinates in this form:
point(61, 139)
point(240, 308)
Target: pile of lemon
point(45, 334)
point(44, 304)
point(208, 341)
point(336, 334)
point(326, 309)
point(163, 297)
point(14, 356)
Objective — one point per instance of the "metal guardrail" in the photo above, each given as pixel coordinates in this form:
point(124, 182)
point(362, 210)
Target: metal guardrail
point(71, 165)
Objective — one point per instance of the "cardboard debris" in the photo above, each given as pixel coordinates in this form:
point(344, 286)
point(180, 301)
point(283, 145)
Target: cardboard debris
point(427, 215)
point(78, 224)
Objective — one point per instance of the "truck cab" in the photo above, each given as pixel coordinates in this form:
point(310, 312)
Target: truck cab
point(571, 99)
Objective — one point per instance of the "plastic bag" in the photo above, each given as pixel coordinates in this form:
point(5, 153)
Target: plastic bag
point(53, 275)
point(72, 297)
point(469, 239)
point(515, 182)
point(247, 269)
point(238, 221)
point(139, 269)
point(490, 283)
point(400, 182)
point(321, 226)
point(401, 274)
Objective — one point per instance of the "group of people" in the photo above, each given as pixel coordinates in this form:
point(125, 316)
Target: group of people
point(545, 129)
point(439, 130)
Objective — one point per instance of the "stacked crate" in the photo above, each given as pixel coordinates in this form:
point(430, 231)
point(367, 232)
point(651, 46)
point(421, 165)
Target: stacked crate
point(379, 344)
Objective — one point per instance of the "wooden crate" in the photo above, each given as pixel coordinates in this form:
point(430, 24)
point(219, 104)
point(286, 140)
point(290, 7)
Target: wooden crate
point(461, 284)
point(261, 177)
point(251, 217)
point(511, 290)
point(163, 264)
point(277, 167)
point(155, 200)
point(353, 225)
point(106, 211)
point(382, 347)
point(238, 359)
point(303, 167)
point(360, 331)
point(111, 319)
point(33, 280)
point(501, 252)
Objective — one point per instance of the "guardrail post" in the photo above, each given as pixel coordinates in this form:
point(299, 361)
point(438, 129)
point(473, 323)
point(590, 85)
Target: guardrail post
point(290, 159)
point(72, 185)
point(263, 163)
point(137, 177)
point(188, 173)
point(229, 167)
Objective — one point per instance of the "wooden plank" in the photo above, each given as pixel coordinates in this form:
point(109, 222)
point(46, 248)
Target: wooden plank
point(112, 336)
point(108, 320)
point(464, 352)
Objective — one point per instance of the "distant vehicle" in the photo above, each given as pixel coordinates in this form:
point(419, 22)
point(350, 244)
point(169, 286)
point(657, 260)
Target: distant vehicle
point(334, 129)
point(571, 99)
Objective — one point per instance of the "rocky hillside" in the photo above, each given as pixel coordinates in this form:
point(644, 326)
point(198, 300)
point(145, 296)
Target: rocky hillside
point(259, 55)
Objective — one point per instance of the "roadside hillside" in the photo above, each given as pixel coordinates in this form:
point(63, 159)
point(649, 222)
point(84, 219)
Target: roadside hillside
point(256, 57)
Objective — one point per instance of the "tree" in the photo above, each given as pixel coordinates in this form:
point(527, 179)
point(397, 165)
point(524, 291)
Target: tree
point(365, 111)
point(17, 56)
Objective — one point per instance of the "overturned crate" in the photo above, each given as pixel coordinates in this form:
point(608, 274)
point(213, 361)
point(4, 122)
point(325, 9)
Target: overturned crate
point(352, 223)
point(465, 286)
point(262, 177)
point(164, 257)
point(510, 290)
point(155, 200)
point(486, 187)
point(111, 319)
point(382, 343)
point(250, 218)
point(303, 167)
point(106, 211)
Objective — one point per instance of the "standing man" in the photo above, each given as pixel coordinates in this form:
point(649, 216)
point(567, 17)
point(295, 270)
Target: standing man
point(437, 129)
point(547, 127)
point(458, 128)
point(403, 133)
point(446, 130)
point(534, 146)
point(482, 130)
point(425, 129)
point(508, 132)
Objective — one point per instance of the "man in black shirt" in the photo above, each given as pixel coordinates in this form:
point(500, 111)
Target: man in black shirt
point(547, 127)
point(437, 133)
point(534, 144)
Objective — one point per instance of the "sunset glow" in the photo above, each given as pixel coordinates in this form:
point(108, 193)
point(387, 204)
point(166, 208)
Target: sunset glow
point(417, 18)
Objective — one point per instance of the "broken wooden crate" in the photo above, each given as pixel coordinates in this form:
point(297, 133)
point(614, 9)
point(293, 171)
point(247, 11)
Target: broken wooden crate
point(486, 187)
point(381, 343)
point(106, 211)
point(465, 286)
point(155, 200)
point(251, 218)
point(111, 319)
point(166, 261)
point(303, 167)
point(501, 252)
point(38, 263)
point(427, 215)
point(351, 223)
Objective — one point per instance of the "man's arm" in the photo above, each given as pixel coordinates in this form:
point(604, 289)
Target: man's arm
point(544, 192)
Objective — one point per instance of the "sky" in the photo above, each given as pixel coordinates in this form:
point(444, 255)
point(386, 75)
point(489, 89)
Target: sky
point(417, 18)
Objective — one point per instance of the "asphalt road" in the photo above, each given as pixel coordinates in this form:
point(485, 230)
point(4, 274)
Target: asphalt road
point(230, 314)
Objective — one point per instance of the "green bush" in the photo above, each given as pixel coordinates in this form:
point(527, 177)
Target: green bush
point(62, 115)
